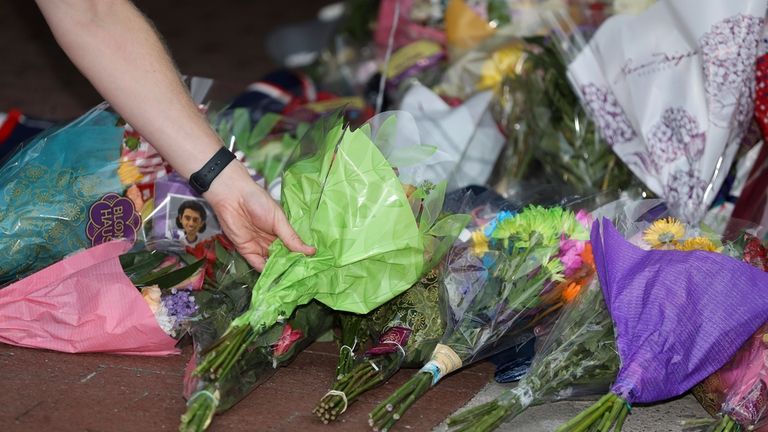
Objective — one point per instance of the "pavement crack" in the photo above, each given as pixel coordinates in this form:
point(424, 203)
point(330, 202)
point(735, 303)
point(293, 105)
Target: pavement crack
point(18, 417)
point(159, 372)
point(141, 397)
point(92, 374)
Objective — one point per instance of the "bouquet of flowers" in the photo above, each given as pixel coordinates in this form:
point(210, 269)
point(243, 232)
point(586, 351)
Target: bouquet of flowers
point(83, 303)
point(274, 348)
point(401, 318)
point(738, 391)
point(224, 297)
point(548, 128)
point(680, 139)
point(348, 202)
point(579, 353)
point(673, 313)
point(489, 294)
point(61, 191)
point(410, 327)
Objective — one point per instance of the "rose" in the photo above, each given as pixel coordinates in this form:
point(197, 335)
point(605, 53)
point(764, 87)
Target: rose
point(286, 341)
point(152, 295)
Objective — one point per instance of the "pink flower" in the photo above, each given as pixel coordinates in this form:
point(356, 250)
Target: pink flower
point(570, 255)
point(285, 343)
point(585, 219)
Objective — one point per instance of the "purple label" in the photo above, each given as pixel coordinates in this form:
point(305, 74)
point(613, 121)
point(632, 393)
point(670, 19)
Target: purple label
point(112, 217)
point(392, 340)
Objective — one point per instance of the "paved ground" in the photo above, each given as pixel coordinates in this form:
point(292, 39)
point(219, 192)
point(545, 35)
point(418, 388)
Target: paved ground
point(47, 391)
point(44, 391)
point(665, 417)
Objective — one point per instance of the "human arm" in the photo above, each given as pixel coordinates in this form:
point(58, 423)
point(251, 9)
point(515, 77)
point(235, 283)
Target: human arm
point(120, 53)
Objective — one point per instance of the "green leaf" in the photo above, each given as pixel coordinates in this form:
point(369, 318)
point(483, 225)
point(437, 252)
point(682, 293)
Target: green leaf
point(302, 129)
point(224, 129)
point(132, 143)
point(433, 204)
point(145, 262)
point(241, 128)
point(176, 277)
point(142, 280)
point(450, 226)
point(264, 126)
point(127, 260)
point(222, 255)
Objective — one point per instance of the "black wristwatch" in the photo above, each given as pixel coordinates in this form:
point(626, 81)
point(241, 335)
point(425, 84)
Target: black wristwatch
point(202, 179)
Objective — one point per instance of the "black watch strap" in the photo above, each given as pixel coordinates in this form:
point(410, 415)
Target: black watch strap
point(202, 179)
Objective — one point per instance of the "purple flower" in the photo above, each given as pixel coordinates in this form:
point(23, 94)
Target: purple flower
point(180, 305)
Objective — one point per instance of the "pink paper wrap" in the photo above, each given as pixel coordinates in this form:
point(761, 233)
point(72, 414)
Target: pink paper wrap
point(84, 303)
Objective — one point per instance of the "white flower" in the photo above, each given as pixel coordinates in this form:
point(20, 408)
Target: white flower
point(165, 321)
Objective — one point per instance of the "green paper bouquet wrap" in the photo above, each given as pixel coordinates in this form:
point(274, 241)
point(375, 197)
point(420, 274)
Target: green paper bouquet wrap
point(347, 202)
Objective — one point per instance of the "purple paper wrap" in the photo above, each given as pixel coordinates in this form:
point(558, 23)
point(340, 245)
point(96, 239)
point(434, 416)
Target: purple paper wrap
point(679, 316)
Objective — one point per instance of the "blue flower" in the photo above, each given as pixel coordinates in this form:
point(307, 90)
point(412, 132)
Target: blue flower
point(500, 217)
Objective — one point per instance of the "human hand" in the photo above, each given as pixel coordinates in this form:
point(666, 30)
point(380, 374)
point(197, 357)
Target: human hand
point(250, 217)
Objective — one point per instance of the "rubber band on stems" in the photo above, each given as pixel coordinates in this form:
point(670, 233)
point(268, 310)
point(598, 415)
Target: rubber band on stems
point(210, 395)
point(400, 347)
point(350, 348)
point(341, 394)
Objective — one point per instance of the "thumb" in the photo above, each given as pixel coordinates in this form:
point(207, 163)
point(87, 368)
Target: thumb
point(289, 237)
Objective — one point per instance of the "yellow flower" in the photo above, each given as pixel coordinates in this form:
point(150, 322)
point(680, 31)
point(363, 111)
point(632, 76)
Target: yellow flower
point(503, 62)
point(128, 172)
point(698, 243)
point(479, 243)
point(664, 232)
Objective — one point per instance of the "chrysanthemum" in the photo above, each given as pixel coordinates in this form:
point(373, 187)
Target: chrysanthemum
point(698, 243)
point(664, 232)
point(479, 243)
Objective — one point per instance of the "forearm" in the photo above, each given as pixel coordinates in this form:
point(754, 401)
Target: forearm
point(120, 53)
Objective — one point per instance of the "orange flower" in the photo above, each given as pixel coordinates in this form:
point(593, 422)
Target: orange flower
point(571, 291)
point(586, 256)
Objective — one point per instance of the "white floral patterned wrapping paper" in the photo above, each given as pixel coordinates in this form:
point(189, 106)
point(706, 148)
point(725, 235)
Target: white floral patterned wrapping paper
point(672, 92)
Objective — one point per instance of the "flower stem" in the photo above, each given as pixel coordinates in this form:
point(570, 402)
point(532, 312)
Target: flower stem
point(618, 405)
point(726, 424)
point(199, 414)
point(384, 416)
point(473, 414)
point(586, 418)
point(622, 416)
